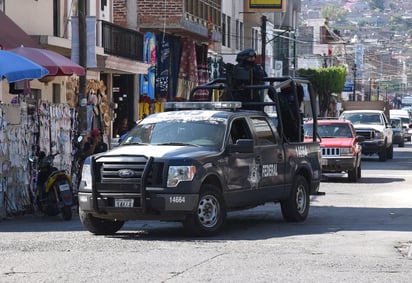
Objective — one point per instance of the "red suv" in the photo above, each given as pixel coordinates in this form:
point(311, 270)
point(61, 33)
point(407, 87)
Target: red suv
point(341, 148)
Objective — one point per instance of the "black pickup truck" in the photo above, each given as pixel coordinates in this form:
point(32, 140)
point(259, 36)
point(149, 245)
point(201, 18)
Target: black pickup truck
point(195, 165)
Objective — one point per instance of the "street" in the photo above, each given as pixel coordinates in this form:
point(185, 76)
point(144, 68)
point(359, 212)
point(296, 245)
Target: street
point(356, 232)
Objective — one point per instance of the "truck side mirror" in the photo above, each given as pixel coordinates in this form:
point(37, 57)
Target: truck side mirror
point(242, 146)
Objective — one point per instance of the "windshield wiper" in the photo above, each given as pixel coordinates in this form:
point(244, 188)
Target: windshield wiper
point(177, 143)
point(134, 143)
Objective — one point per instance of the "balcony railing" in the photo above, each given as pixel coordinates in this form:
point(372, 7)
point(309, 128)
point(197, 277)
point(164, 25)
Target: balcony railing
point(121, 42)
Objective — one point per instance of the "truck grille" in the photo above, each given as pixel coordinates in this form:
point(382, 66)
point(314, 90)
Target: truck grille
point(124, 172)
point(127, 172)
point(368, 134)
point(330, 152)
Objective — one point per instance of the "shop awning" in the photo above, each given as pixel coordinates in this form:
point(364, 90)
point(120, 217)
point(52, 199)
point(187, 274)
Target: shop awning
point(12, 36)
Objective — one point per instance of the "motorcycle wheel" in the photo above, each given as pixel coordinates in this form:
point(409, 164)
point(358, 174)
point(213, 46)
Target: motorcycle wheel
point(49, 207)
point(67, 213)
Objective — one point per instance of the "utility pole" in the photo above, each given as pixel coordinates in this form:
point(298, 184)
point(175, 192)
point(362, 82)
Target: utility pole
point(263, 32)
point(82, 62)
point(354, 69)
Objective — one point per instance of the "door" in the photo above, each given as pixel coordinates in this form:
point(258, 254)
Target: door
point(269, 158)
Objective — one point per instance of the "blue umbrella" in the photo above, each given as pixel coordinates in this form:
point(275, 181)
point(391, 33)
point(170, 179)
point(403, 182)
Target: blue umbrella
point(16, 68)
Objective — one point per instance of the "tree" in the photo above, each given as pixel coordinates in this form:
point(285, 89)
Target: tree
point(325, 81)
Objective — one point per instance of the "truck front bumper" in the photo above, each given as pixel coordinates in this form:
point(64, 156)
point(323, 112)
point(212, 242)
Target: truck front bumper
point(373, 146)
point(338, 164)
point(129, 207)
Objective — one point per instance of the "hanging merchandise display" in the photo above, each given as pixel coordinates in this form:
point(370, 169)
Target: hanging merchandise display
point(25, 132)
point(147, 81)
point(16, 133)
point(55, 132)
point(163, 64)
point(98, 110)
point(72, 85)
point(203, 76)
point(188, 73)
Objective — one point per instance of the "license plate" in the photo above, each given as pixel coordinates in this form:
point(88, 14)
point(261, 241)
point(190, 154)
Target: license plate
point(123, 202)
point(64, 187)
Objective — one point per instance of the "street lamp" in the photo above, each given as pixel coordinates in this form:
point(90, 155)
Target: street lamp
point(354, 69)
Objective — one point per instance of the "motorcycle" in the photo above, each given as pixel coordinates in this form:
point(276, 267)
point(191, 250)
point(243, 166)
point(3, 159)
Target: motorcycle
point(54, 188)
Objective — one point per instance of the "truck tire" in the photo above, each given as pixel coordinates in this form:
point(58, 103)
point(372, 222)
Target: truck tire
point(353, 175)
point(210, 215)
point(99, 226)
point(383, 154)
point(389, 154)
point(360, 170)
point(296, 207)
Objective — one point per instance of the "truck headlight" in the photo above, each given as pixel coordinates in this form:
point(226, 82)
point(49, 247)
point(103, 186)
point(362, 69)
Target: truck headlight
point(86, 181)
point(346, 151)
point(179, 174)
point(379, 135)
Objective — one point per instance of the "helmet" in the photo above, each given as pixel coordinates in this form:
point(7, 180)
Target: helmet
point(242, 55)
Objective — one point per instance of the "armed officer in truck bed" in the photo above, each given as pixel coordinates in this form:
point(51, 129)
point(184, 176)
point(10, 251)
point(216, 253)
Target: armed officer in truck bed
point(245, 72)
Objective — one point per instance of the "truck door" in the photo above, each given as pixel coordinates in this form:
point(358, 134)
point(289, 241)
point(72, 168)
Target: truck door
point(257, 176)
point(240, 170)
point(270, 158)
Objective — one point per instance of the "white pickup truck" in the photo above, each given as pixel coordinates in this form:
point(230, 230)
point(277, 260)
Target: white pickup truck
point(377, 130)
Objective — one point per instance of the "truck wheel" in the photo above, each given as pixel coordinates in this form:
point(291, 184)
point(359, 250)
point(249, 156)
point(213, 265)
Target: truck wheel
point(99, 226)
point(390, 152)
point(352, 175)
point(359, 171)
point(382, 155)
point(67, 212)
point(296, 207)
point(402, 143)
point(210, 214)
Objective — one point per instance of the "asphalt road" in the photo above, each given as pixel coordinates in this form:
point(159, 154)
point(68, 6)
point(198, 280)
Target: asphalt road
point(355, 233)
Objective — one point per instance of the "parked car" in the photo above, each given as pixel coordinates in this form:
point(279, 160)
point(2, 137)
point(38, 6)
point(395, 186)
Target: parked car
point(406, 121)
point(398, 132)
point(341, 148)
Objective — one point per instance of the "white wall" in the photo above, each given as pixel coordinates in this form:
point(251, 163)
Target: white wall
point(34, 17)
point(234, 9)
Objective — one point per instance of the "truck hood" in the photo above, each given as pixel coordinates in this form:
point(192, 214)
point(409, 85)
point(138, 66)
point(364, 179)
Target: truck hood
point(369, 127)
point(162, 151)
point(336, 142)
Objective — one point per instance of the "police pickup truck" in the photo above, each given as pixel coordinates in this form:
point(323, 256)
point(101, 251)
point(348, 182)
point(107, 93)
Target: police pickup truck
point(196, 163)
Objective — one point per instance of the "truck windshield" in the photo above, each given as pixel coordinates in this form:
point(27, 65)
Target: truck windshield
point(364, 118)
point(182, 132)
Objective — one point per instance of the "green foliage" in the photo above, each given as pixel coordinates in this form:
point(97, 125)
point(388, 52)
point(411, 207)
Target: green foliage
point(325, 81)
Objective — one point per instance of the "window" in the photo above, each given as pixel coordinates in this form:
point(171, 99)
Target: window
point(237, 39)
point(239, 130)
point(36, 94)
point(263, 131)
point(229, 34)
point(255, 39)
point(241, 36)
point(56, 93)
point(223, 29)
